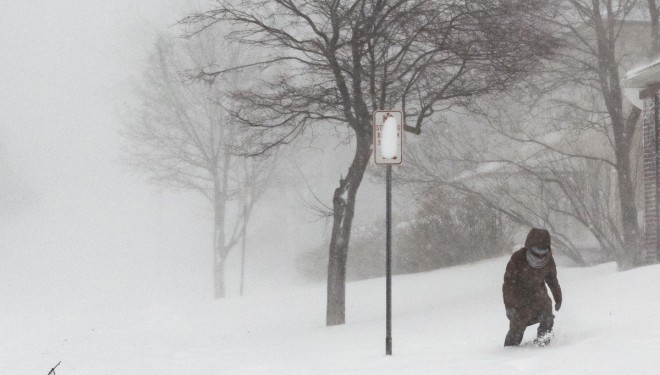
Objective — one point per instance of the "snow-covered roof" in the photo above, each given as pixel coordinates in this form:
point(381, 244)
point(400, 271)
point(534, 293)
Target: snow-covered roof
point(481, 169)
point(643, 76)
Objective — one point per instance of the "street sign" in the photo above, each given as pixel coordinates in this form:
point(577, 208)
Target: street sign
point(388, 136)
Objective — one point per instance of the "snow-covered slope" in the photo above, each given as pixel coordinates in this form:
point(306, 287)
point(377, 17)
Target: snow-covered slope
point(445, 322)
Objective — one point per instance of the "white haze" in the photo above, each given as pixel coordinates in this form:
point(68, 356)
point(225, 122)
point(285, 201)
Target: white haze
point(86, 230)
point(77, 229)
point(109, 274)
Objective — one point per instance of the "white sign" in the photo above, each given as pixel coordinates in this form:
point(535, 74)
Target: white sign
point(388, 137)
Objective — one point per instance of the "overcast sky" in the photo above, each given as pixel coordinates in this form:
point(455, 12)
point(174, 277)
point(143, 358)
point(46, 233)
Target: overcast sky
point(76, 224)
point(63, 64)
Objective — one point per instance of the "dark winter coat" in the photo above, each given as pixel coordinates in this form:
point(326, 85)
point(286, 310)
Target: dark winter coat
point(524, 285)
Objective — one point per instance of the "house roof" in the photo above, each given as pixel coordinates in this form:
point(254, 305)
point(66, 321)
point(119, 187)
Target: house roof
point(643, 76)
point(533, 156)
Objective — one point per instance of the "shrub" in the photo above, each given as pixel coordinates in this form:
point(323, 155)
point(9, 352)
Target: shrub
point(447, 229)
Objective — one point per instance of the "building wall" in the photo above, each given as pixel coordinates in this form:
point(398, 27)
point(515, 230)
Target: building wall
point(651, 177)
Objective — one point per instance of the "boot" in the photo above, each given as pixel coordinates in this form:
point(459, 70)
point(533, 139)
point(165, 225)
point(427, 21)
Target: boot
point(543, 339)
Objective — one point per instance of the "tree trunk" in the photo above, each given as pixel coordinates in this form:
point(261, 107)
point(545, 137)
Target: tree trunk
point(218, 260)
point(623, 130)
point(243, 240)
point(219, 251)
point(630, 241)
point(610, 84)
point(344, 208)
point(219, 279)
point(654, 14)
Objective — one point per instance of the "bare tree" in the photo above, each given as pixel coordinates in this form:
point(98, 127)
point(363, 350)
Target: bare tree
point(654, 16)
point(593, 61)
point(535, 181)
point(182, 136)
point(596, 53)
point(335, 62)
point(572, 129)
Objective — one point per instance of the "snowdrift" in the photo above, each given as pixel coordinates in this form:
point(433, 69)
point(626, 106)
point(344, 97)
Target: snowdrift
point(450, 321)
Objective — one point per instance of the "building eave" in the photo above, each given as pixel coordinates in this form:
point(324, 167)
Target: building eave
point(643, 76)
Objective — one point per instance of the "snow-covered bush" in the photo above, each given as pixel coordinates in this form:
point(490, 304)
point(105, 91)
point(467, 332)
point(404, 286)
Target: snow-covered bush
point(447, 229)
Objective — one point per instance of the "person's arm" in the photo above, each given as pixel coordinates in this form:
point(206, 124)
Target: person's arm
point(509, 285)
point(553, 283)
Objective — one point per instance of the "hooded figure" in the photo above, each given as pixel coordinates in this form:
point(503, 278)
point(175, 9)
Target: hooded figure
point(525, 297)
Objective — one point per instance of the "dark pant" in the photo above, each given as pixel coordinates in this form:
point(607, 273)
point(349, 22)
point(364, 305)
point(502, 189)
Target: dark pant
point(527, 316)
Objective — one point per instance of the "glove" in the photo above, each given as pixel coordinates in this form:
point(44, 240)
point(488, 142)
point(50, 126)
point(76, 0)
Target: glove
point(510, 313)
point(557, 306)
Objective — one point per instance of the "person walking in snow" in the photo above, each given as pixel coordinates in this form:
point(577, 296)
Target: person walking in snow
point(525, 297)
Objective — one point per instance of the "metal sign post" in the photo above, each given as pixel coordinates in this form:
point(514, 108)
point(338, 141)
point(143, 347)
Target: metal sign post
point(388, 138)
point(388, 260)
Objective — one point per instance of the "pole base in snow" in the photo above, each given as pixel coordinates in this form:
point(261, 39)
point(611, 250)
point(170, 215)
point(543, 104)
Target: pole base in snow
point(388, 346)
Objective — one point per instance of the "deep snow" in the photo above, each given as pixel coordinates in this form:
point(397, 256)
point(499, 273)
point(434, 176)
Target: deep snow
point(445, 322)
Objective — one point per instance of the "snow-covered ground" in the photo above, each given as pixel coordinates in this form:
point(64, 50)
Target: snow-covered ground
point(445, 322)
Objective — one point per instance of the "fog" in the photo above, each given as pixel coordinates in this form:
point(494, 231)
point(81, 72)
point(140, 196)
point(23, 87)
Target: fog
point(77, 226)
point(103, 271)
